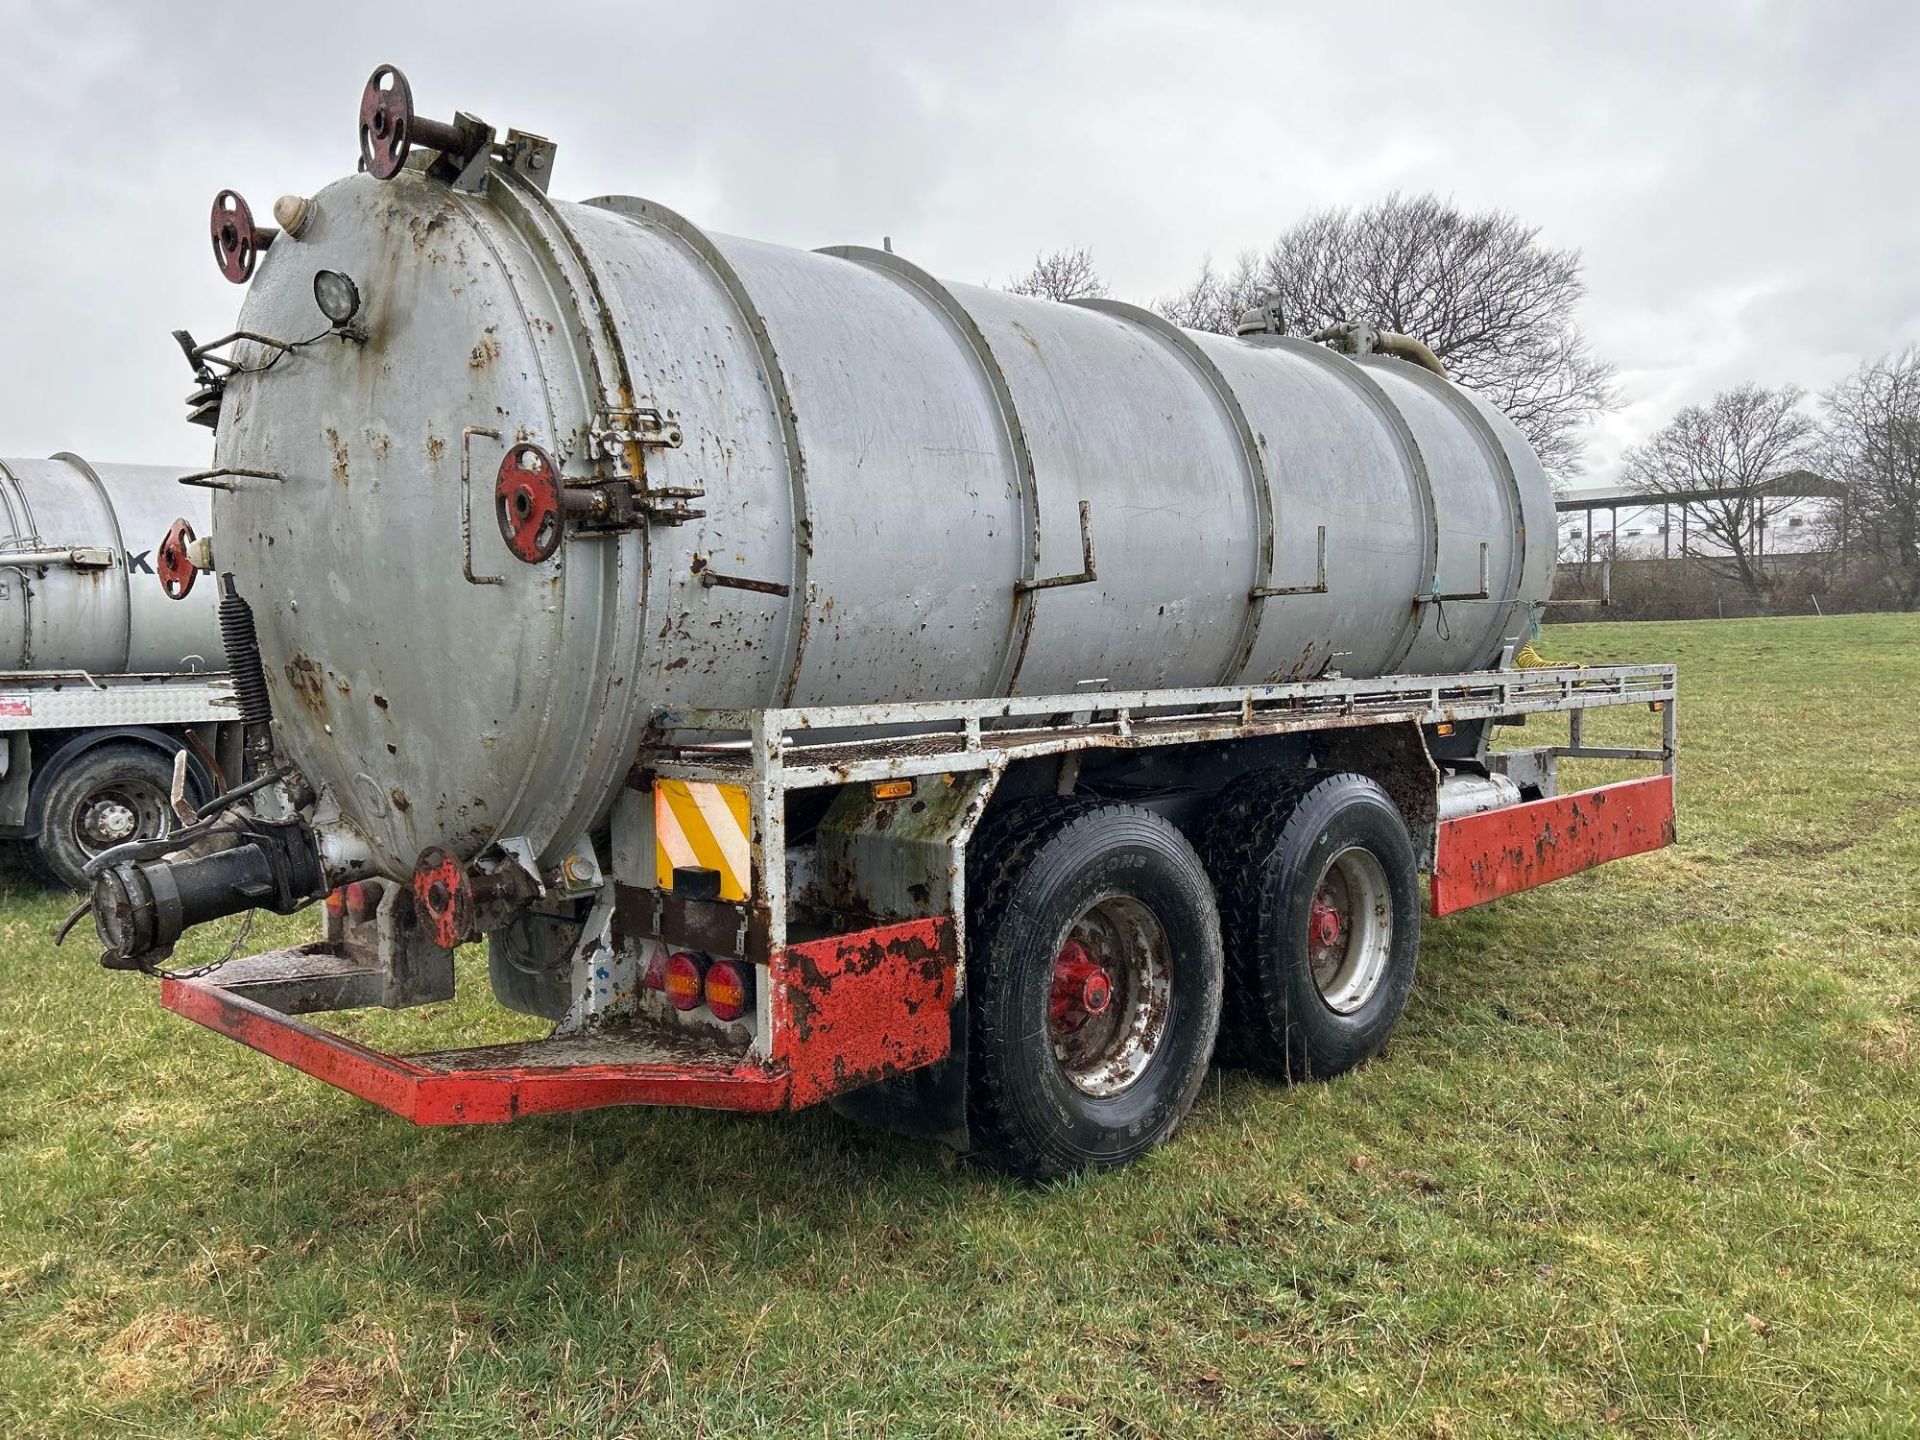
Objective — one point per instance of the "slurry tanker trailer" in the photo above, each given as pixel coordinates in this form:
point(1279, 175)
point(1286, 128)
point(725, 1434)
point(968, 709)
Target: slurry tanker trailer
point(817, 682)
point(103, 683)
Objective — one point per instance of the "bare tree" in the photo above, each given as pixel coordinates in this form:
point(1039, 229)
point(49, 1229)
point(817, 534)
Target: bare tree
point(1494, 303)
point(1720, 461)
point(1216, 300)
point(1063, 275)
point(1870, 444)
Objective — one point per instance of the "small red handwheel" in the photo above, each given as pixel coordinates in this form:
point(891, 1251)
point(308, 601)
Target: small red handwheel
point(236, 240)
point(442, 898)
point(526, 499)
point(176, 570)
point(386, 122)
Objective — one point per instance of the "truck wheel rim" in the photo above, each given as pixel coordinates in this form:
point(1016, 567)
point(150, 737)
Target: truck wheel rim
point(118, 812)
point(1108, 1003)
point(1350, 930)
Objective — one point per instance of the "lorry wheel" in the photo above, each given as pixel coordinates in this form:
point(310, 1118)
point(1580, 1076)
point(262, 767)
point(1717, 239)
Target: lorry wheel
point(1320, 911)
point(1093, 985)
point(105, 797)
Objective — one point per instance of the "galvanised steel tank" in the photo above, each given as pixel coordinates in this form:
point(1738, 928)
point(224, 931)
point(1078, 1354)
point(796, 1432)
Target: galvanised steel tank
point(850, 482)
point(76, 570)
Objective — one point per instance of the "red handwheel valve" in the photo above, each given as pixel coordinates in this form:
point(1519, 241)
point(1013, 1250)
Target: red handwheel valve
point(237, 241)
point(173, 564)
point(526, 501)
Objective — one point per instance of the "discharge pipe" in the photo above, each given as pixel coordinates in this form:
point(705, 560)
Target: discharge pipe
point(141, 907)
point(1353, 339)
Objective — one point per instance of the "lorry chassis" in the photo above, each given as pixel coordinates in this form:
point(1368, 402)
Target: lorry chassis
point(852, 869)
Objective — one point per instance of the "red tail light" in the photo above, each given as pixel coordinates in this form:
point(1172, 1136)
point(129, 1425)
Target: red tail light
point(363, 898)
point(359, 899)
point(729, 989)
point(685, 979)
point(656, 976)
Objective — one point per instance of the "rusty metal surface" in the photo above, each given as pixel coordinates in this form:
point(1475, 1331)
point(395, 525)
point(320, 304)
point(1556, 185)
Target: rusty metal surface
point(503, 712)
point(887, 469)
point(307, 979)
point(237, 240)
point(386, 121)
point(443, 897)
point(1482, 857)
point(497, 1083)
point(974, 735)
point(853, 1009)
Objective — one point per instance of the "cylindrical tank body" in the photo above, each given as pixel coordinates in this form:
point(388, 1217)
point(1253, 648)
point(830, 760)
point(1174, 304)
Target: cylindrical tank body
point(895, 462)
point(77, 589)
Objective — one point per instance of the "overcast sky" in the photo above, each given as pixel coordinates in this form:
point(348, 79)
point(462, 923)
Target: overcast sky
point(1739, 175)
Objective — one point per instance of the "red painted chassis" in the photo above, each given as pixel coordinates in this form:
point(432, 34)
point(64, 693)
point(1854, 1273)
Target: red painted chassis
point(853, 1009)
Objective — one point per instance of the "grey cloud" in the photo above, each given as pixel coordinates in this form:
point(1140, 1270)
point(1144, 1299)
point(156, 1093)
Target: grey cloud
point(1733, 171)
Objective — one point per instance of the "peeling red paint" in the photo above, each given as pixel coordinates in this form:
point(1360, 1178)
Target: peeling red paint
point(1478, 858)
point(480, 1095)
point(853, 1009)
point(847, 1011)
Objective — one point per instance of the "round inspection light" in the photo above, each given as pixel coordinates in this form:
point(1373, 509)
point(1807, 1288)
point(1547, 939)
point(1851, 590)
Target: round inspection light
point(336, 295)
point(729, 989)
point(686, 979)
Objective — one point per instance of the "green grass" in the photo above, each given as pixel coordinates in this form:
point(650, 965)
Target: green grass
point(1644, 1160)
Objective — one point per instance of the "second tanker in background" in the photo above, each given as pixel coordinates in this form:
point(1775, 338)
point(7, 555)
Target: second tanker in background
point(103, 680)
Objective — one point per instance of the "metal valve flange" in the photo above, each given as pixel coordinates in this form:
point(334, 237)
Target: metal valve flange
point(172, 563)
point(443, 898)
point(237, 241)
point(528, 503)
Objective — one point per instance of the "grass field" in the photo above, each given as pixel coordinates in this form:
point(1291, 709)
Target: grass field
point(1644, 1159)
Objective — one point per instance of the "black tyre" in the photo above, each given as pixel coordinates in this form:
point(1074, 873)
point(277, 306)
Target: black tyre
point(1093, 985)
point(1320, 911)
point(106, 796)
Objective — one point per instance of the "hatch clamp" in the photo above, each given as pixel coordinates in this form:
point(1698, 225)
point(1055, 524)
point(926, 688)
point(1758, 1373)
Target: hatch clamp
point(616, 437)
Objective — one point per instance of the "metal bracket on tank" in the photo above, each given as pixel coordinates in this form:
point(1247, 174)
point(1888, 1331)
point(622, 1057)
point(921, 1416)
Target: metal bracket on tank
point(1485, 592)
point(1319, 586)
point(466, 505)
point(213, 479)
point(615, 429)
point(1606, 589)
point(1088, 571)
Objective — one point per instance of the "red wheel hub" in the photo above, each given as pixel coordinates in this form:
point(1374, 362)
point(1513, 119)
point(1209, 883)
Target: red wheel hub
point(1324, 926)
point(1081, 988)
